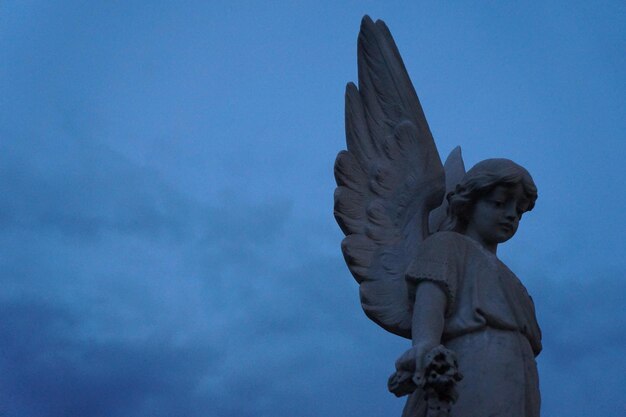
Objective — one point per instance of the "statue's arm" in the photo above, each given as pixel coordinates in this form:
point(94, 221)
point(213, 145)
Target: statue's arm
point(427, 328)
point(428, 315)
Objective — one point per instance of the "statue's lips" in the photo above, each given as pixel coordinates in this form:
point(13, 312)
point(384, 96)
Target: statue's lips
point(506, 226)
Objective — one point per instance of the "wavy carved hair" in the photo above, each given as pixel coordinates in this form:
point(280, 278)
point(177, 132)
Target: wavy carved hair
point(478, 182)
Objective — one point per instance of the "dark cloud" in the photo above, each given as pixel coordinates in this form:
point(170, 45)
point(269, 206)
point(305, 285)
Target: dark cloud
point(117, 285)
point(49, 369)
point(56, 184)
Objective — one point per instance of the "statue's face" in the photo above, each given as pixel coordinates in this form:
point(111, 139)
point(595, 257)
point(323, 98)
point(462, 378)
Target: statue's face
point(495, 217)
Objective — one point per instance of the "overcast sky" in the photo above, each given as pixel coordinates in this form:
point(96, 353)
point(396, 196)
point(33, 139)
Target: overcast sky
point(167, 244)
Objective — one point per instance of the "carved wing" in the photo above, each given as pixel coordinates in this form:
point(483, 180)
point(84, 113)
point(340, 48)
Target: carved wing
point(455, 170)
point(388, 180)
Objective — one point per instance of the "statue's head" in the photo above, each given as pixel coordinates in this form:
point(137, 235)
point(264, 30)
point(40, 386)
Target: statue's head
point(490, 200)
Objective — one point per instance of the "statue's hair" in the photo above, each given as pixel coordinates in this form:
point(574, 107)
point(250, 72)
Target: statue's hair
point(478, 182)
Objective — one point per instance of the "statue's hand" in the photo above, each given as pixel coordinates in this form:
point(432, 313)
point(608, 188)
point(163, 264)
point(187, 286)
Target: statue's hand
point(401, 383)
point(409, 373)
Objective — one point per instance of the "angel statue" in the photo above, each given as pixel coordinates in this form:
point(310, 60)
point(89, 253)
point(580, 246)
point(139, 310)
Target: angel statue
point(427, 266)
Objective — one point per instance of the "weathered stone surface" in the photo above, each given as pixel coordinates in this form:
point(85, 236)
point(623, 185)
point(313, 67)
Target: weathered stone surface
point(426, 265)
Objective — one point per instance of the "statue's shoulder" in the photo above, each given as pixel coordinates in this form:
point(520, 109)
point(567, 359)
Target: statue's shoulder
point(442, 246)
point(446, 238)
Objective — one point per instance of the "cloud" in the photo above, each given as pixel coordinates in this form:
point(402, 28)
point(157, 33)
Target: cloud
point(581, 367)
point(120, 291)
point(53, 371)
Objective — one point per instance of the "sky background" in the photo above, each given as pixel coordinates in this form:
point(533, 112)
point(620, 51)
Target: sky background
point(167, 244)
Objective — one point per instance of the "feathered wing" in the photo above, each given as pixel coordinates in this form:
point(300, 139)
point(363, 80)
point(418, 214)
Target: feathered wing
point(388, 180)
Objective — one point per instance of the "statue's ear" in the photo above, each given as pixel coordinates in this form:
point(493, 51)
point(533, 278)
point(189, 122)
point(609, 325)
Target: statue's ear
point(454, 170)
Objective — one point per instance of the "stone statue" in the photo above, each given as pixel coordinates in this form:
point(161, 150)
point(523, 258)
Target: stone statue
point(426, 265)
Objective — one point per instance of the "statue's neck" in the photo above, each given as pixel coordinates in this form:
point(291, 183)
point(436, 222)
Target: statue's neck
point(490, 246)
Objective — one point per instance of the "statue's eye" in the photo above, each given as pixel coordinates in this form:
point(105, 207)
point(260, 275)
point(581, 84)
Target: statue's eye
point(498, 203)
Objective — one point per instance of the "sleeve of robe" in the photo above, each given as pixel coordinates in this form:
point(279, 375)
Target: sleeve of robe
point(436, 261)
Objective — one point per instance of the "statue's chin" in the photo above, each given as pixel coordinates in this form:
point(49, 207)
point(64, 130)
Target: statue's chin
point(503, 237)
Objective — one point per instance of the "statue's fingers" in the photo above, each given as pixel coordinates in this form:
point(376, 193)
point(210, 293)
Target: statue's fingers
point(406, 362)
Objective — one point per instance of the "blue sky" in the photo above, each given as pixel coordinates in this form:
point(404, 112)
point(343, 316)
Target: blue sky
point(167, 245)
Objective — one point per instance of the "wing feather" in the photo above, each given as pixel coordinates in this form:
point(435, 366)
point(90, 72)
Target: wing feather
point(348, 172)
point(455, 170)
point(358, 137)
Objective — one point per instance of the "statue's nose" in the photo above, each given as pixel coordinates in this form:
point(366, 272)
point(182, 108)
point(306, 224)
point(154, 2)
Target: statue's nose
point(511, 212)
